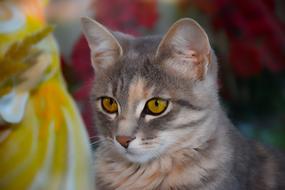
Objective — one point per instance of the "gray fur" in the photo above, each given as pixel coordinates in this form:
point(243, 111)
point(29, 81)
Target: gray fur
point(205, 151)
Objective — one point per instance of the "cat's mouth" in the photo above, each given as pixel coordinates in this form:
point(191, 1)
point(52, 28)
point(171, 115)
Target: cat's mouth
point(139, 151)
point(139, 157)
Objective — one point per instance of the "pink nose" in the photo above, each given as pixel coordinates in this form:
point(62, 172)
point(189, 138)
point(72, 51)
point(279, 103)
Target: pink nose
point(125, 140)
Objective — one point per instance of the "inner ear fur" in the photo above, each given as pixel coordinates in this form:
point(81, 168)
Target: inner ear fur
point(187, 48)
point(105, 48)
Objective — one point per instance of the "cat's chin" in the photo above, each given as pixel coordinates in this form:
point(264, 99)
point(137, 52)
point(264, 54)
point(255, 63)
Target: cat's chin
point(139, 158)
point(138, 155)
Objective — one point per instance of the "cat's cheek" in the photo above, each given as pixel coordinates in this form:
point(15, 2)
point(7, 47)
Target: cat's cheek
point(168, 139)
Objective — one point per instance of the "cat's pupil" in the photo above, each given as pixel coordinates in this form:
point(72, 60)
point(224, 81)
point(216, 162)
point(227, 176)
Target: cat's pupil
point(156, 103)
point(111, 102)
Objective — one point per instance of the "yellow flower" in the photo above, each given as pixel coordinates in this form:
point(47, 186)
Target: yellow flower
point(43, 142)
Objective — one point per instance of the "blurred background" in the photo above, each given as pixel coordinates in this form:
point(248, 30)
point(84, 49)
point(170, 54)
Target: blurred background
point(247, 36)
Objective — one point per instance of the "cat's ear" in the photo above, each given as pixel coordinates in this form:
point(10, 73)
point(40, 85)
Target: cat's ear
point(105, 48)
point(185, 49)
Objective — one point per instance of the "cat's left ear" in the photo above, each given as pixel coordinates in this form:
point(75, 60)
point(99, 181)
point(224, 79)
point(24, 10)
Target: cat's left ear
point(185, 49)
point(105, 48)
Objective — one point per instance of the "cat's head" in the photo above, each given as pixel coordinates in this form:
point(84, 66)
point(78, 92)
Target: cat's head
point(152, 95)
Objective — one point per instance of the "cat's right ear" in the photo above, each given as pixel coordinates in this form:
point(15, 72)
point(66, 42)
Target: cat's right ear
point(105, 48)
point(185, 50)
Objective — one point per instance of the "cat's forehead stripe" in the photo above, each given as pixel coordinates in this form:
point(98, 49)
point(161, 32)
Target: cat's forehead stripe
point(138, 90)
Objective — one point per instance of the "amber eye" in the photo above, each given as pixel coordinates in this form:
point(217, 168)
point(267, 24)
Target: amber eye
point(156, 106)
point(109, 105)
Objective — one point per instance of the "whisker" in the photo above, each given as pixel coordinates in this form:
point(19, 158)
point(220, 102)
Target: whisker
point(101, 140)
point(96, 142)
point(95, 136)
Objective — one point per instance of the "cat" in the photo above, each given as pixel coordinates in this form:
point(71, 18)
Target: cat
point(161, 126)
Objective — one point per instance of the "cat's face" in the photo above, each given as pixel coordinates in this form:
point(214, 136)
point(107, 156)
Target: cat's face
point(151, 94)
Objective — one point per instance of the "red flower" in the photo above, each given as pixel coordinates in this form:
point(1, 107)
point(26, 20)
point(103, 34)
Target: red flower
point(81, 60)
point(146, 13)
point(84, 72)
point(255, 36)
point(245, 59)
point(82, 98)
point(126, 15)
